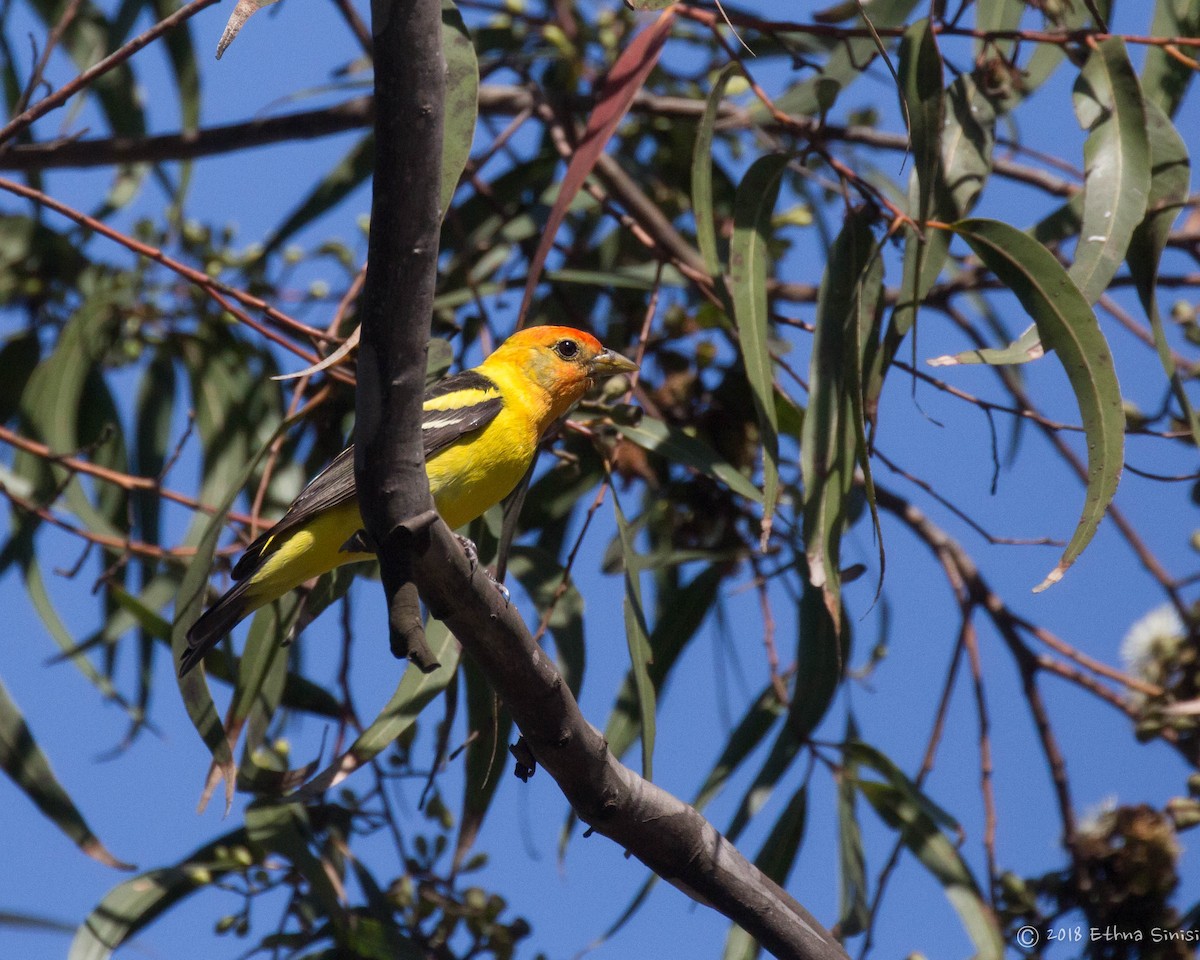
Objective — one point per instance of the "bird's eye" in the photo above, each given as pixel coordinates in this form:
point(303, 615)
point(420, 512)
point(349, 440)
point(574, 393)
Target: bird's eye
point(567, 349)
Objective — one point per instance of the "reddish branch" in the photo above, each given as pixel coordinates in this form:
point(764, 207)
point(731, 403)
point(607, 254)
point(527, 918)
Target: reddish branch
point(90, 75)
point(125, 481)
point(221, 293)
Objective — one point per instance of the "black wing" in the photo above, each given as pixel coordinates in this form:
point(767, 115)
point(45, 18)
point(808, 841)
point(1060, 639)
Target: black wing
point(334, 485)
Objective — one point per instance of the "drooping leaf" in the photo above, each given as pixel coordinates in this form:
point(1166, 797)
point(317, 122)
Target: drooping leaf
point(828, 446)
point(137, 902)
point(702, 170)
point(284, 829)
point(23, 760)
point(489, 725)
point(155, 412)
point(1108, 103)
point(858, 754)
point(680, 447)
point(1046, 58)
point(194, 687)
point(778, 854)
point(920, 92)
point(749, 266)
point(682, 614)
point(621, 85)
point(749, 732)
point(995, 17)
point(53, 400)
point(1164, 79)
point(415, 690)
point(776, 859)
point(347, 175)
point(1067, 325)
point(462, 100)
point(823, 650)
point(968, 138)
point(848, 59)
point(540, 573)
point(1168, 193)
point(783, 752)
point(938, 855)
point(638, 637)
point(19, 357)
point(853, 908)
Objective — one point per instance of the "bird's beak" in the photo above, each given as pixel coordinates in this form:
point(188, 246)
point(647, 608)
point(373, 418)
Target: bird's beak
point(607, 364)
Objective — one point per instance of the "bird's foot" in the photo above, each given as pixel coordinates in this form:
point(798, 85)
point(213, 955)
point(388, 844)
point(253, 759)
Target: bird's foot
point(469, 549)
point(499, 586)
point(472, 553)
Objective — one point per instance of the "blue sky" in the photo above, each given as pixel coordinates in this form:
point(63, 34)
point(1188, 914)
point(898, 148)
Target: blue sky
point(142, 802)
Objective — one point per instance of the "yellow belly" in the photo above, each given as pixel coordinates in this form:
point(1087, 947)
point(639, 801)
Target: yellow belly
point(463, 485)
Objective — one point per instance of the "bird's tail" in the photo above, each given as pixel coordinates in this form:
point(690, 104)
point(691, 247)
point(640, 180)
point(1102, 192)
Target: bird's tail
point(216, 621)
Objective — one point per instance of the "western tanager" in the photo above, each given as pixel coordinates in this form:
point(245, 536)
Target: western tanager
point(481, 430)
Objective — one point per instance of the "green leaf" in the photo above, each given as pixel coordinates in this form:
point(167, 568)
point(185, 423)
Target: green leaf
point(1046, 57)
point(1164, 79)
point(750, 731)
point(136, 903)
point(679, 446)
point(921, 102)
point(997, 16)
point(681, 613)
point(284, 829)
point(1066, 324)
point(154, 415)
point(192, 591)
point(778, 853)
point(749, 264)
point(822, 653)
point(848, 60)
point(637, 636)
point(938, 855)
point(1028, 346)
point(462, 100)
point(775, 859)
point(415, 690)
point(1108, 103)
point(346, 176)
point(18, 358)
point(52, 402)
point(968, 140)
point(858, 754)
point(23, 760)
point(489, 726)
point(828, 446)
point(262, 669)
point(745, 738)
point(783, 751)
point(542, 577)
point(702, 171)
point(1168, 194)
point(854, 912)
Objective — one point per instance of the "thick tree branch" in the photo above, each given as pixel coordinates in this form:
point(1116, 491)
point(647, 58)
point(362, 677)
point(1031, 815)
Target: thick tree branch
point(397, 301)
point(666, 834)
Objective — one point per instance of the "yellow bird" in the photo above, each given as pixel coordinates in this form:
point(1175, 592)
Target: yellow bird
point(481, 430)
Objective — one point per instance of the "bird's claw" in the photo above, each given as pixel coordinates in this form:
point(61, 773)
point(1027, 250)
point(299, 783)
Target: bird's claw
point(502, 588)
point(472, 553)
point(469, 549)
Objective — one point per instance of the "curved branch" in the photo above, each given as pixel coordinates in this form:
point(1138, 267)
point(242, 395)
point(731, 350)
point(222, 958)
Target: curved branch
point(666, 834)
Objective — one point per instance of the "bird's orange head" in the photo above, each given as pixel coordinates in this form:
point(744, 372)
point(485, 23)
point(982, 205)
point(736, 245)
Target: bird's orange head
point(563, 361)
